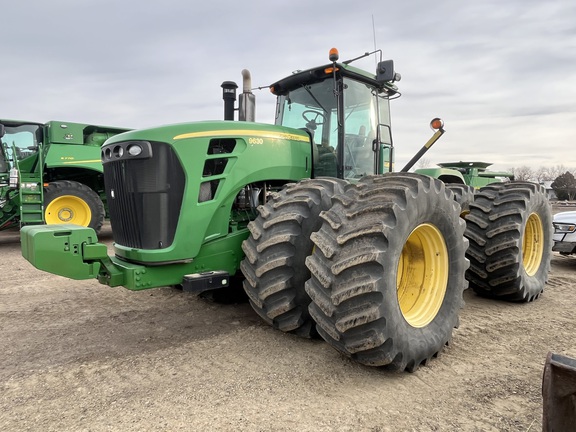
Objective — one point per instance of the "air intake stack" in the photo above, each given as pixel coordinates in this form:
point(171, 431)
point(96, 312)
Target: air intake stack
point(229, 96)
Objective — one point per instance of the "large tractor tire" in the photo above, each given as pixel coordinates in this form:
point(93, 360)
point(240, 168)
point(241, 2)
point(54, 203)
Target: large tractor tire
point(463, 195)
point(274, 267)
point(71, 202)
point(510, 231)
point(388, 270)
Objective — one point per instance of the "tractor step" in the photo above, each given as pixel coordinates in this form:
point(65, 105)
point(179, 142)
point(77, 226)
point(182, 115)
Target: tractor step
point(31, 201)
point(199, 282)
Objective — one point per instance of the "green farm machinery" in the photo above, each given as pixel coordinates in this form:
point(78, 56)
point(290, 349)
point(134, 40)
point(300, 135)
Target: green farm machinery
point(474, 174)
point(306, 212)
point(52, 173)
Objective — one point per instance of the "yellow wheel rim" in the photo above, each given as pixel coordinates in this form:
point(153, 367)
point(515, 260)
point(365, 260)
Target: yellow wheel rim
point(422, 275)
point(68, 209)
point(533, 244)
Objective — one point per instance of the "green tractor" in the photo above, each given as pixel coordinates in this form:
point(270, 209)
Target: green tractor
point(474, 174)
point(51, 173)
point(325, 239)
point(464, 178)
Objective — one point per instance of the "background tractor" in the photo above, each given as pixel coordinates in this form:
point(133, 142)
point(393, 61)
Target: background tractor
point(305, 211)
point(51, 173)
point(473, 174)
point(464, 178)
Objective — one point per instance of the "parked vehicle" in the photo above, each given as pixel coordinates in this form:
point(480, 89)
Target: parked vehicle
point(565, 232)
point(52, 173)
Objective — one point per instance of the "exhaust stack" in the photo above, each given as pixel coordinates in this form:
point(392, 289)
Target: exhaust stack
point(247, 100)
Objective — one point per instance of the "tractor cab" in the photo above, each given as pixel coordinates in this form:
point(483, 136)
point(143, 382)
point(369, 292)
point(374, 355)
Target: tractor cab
point(346, 112)
point(19, 141)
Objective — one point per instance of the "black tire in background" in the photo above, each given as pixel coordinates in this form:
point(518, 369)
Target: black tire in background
point(279, 242)
point(463, 195)
point(388, 270)
point(510, 232)
point(67, 201)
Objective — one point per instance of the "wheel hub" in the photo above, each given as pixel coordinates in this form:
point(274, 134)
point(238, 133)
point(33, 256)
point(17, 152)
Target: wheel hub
point(533, 244)
point(65, 214)
point(422, 275)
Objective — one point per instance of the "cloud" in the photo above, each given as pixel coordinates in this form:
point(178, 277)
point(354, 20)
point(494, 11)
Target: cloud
point(499, 73)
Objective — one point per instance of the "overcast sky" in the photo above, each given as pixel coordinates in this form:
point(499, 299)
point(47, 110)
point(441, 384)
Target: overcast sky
point(501, 73)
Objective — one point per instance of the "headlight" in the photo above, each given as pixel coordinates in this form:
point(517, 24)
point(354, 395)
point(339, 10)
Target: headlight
point(563, 227)
point(118, 151)
point(134, 150)
point(126, 150)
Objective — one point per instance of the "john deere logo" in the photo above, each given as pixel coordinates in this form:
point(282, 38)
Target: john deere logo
point(68, 136)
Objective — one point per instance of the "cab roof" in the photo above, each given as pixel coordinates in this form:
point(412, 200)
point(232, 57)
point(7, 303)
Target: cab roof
point(321, 73)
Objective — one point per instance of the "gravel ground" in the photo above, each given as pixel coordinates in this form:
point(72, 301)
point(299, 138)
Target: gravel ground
point(78, 356)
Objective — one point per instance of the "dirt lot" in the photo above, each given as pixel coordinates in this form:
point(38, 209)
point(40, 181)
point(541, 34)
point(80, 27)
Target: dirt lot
point(78, 356)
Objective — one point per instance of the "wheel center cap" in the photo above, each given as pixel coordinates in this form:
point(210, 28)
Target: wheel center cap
point(65, 215)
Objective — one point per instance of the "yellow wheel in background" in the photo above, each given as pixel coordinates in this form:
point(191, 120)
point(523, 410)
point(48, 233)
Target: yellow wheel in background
point(70, 202)
point(68, 209)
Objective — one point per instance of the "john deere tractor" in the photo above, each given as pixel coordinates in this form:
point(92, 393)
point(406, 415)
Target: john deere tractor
point(474, 174)
point(306, 211)
point(51, 173)
point(464, 178)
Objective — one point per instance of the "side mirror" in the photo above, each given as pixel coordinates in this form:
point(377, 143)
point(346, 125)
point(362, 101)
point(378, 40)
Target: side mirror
point(2, 130)
point(385, 71)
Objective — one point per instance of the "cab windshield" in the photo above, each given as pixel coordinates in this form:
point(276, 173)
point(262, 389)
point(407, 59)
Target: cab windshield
point(314, 108)
point(21, 141)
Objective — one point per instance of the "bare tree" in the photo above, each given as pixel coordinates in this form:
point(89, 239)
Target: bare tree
point(523, 173)
point(542, 174)
point(556, 171)
point(424, 163)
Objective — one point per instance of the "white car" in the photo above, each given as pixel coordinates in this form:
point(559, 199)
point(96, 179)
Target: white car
point(565, 232)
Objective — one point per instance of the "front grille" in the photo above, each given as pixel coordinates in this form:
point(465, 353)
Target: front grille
point(144, 195)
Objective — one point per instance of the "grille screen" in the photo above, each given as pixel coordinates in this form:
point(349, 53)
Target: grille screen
point(144, 198)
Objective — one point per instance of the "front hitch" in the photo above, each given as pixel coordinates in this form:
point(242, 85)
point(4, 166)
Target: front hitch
point(71, 251)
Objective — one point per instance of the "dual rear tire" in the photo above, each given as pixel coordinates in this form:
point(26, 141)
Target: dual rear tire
point(510, 231)
point(378, 269)
point(280, 240)
point(388, 271)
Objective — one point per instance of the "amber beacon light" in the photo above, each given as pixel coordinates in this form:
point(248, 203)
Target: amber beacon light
point(437, 123)
point(333, 55)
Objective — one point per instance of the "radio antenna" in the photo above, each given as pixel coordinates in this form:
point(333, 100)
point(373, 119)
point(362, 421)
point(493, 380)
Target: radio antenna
point(374, 36)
